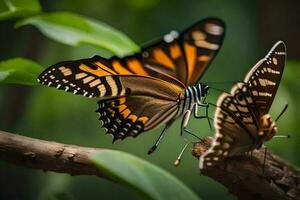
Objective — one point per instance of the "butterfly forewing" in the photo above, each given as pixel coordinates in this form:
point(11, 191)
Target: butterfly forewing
point(88, 77)
point(201, 43)
point(134, 64)
point(265, 76)
point(186, 56)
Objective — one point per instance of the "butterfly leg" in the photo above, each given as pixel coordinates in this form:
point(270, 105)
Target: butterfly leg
point(265, 159)
point(184, 123)
point(152, 149)
point(206, 106)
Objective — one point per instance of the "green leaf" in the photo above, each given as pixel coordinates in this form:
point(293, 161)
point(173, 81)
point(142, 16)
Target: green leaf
point(18, 8)
point(19, 71)
point(148, 180)
point(75, 30)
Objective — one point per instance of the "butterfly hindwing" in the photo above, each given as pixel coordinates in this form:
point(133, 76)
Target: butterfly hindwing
point(129, 116)
point(148, 102)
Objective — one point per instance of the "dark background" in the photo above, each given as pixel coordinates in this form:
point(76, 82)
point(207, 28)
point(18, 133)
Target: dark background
point(42, 112)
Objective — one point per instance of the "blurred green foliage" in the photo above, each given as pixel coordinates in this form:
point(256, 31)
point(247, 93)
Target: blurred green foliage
point(19, 71)
point(150, 181)
point(18, 8)
point(76, 30)
point(54, 115)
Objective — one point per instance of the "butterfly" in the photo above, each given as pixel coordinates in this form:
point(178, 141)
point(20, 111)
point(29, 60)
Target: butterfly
point(139, 92)
point(241, 119)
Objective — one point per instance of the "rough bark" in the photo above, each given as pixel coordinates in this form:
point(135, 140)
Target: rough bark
point(244, 176)
point(47, 156)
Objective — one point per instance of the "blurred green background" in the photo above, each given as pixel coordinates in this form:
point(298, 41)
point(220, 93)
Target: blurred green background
point(42, 112)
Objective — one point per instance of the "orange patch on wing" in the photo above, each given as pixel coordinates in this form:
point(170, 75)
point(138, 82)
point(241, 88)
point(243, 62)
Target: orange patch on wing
point(122, 100)
point(190, 52)
point(163, 59)
point(143, 119)
point(125, 113)
point(204, 58)
point(99, 64)
point(122, 107)
point(175, 51)
point(119, 68)
point(136, 66)
point(97, 72)
point(133, 117)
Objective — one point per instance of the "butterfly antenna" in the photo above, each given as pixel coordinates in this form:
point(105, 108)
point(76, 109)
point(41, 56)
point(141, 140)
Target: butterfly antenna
point(223, 82)
point(191, 133)
point(282, 136)
point(213, 104)
point(281, 113)
point(208, 120)
point(219, 90)
point(178, 160)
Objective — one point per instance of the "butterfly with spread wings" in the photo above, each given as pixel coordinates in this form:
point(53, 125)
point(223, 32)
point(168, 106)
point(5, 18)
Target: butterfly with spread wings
point(157, 85)
point(241, 120)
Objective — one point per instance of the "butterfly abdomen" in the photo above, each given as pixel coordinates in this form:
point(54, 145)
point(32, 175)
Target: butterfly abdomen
point(268, 127)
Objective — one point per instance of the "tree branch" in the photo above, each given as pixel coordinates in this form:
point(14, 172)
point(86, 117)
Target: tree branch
point(47, 156)
point(243, 175)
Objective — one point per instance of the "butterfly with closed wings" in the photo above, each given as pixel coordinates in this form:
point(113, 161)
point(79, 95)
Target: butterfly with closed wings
point(241, 119)
point(139, 92)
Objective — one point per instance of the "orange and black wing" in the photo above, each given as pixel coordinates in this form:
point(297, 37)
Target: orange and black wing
point(186, 56)
point(131, 115)
point(129, 104)
point(149, 103)
point(178, 58)
point(91, 77)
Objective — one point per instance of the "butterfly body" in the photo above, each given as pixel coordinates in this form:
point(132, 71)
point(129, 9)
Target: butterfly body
point(241, 120)
point(268, 127)
point(139, 92)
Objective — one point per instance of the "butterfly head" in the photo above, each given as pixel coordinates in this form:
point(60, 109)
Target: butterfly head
point(268, 127)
